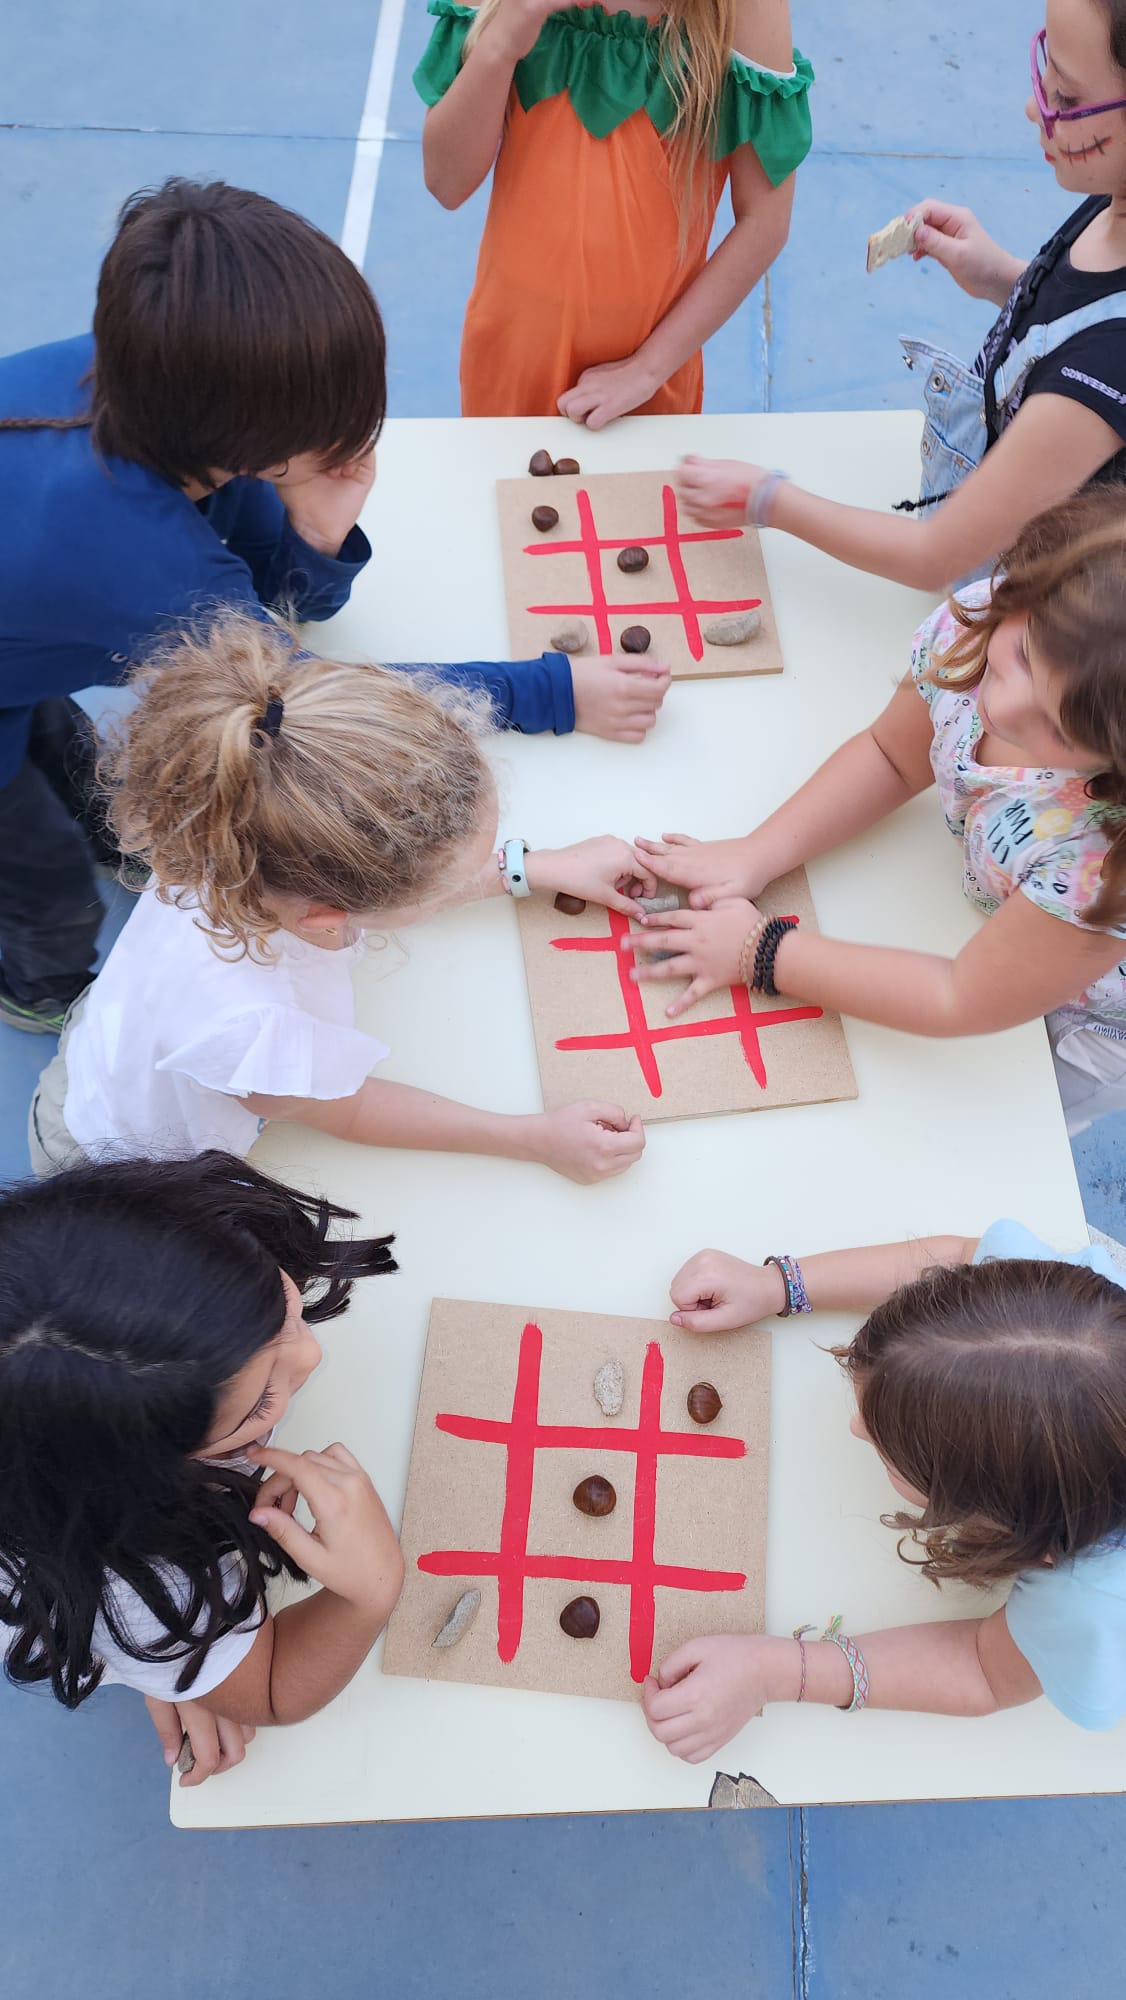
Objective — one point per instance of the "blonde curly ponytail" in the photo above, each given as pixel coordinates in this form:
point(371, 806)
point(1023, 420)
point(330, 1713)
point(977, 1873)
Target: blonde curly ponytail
point(250, 769)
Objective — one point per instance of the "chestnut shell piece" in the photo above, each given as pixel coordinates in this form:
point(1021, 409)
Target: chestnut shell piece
point(632, 559)
point(636, 639)
point(704, 1403)
point(595, 1495)
point(580, 1618)
point(540, 465)
point(544, 518)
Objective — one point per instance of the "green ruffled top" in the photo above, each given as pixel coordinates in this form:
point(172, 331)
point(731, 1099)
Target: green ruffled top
point(609, 65)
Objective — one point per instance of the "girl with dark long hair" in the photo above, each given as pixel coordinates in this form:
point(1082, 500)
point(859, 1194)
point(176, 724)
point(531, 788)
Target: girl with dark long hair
point(155, 1321)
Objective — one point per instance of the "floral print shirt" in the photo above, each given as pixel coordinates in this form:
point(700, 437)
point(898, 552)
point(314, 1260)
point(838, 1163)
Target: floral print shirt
point(1032, 830)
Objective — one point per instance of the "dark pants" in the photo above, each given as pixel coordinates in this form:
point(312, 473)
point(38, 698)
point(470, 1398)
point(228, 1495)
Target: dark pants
point(52, 831)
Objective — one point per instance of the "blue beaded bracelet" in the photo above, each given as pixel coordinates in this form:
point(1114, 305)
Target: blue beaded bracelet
point(796, 1299)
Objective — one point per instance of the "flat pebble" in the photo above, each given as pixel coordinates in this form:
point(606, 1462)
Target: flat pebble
point(733, 631)
point(610, 1388)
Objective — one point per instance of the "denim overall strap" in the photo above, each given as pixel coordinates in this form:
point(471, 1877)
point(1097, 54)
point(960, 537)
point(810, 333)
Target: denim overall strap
point(1011, 373)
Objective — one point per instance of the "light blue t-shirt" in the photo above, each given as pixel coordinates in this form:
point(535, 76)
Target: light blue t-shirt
point(1070, 1621)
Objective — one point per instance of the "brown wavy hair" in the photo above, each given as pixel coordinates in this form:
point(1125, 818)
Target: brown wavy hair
point(1066, 574)
point(999, 1391)
point(230, 335)
point(361, 800)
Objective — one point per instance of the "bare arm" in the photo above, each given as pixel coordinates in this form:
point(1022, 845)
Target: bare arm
point(1022, 963)
point(1051, 448)
point(587, 1141)
point(462, 132)
point(717, 1293)
point(709, 1688)
point(304, 1656)
point(868, 778)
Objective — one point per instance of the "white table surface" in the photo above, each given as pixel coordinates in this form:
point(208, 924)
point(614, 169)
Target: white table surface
point(943, 1136)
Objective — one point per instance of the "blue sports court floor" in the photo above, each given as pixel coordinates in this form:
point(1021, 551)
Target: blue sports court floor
point(97, 1895)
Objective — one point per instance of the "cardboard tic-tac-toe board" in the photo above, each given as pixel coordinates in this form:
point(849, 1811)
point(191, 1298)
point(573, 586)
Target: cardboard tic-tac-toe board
point(508, 1426)
point(571, 573)
point(600, 1034)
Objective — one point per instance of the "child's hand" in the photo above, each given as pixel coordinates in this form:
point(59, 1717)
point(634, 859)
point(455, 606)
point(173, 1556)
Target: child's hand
point(216, 1744)
point(716, 490)
point(517, 23)
point(704, 1692)
point(588, 1142)
point(703, 946)
point(324, 508)
point(604, 870)
point(352, 1549)
point(714, 1293)
point(617, 695)
point(955, 239)
point(713, 870)
point(611, 389)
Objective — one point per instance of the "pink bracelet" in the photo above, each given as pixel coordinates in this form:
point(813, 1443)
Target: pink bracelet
point(799, 1634)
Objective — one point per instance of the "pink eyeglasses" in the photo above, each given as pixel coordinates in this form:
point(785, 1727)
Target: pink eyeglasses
point(1049, 119)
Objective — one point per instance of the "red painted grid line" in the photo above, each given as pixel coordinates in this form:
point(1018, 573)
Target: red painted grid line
point(524, 1435)
point(641, 1038)
point(684, 606)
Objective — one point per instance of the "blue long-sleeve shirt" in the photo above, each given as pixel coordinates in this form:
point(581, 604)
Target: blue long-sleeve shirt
point(98, 556)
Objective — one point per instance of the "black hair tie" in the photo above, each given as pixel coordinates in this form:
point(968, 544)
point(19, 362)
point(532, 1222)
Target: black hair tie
point(270, 723)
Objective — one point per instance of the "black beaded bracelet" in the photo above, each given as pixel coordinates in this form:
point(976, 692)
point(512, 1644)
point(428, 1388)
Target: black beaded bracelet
point(770, 930)
point(784, 924)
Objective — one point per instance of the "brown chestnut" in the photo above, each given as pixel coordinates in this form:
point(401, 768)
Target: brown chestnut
point(704, 1403)
point(569, 906)
point(580, 1618)
point(635, 639)
point(633, 559)
point(595, 1495)
point(544, 518)
point(540, 465)
point(567, 465)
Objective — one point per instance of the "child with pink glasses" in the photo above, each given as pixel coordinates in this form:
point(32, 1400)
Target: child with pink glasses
point(1042, 411)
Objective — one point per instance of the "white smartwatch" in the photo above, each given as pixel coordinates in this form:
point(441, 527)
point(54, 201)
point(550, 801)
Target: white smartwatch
point(513, 873)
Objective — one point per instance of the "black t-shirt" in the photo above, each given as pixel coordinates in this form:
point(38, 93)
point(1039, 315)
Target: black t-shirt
point(1090, 368)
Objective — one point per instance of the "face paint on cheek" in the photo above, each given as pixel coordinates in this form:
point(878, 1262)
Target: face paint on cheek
point(1077, 154)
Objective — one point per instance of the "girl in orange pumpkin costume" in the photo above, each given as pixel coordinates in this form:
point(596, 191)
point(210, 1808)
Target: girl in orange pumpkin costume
point(613, 136)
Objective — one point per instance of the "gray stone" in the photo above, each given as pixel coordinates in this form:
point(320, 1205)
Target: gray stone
point(734, 630)
point(610, 1388)
point(459, 1620)
point(571, 638)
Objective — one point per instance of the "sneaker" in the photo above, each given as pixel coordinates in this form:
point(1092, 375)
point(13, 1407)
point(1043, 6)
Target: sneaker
point(35, 1017)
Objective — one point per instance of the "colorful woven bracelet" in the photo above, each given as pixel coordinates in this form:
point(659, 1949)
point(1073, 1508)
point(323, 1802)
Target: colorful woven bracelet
point(796, 1298)
point(856, 1662)
point(765, 983)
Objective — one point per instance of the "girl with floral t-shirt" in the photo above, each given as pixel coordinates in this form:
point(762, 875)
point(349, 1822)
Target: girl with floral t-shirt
point(1022, 729)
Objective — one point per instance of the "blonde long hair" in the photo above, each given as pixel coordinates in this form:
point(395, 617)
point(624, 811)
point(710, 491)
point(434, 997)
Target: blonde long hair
point(696, 41)
point(357, 792)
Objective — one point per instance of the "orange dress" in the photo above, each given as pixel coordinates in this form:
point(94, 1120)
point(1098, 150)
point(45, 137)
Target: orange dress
point(581, 255)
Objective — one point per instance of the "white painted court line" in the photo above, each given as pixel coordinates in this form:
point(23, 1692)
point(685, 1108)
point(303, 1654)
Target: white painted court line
point(372, 133)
